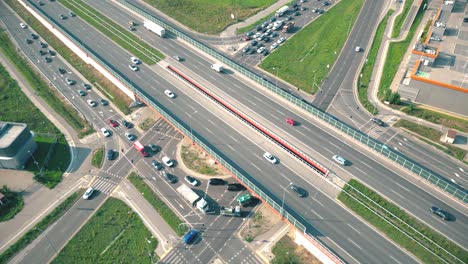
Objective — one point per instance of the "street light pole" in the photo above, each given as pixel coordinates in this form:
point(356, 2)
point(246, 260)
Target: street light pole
point(190, 122)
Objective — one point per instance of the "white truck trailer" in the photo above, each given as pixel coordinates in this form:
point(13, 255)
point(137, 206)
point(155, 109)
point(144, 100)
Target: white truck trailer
point(193, 198)
point(282, 11)
point(217, 67)
point(155, 28)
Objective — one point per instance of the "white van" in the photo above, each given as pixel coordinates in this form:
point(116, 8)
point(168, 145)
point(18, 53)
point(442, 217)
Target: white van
point(105, 132)
point(167, 161)
point(339, 159)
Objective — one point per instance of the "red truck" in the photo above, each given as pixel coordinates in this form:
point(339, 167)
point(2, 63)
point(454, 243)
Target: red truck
point(288, 27)
point(141, 148)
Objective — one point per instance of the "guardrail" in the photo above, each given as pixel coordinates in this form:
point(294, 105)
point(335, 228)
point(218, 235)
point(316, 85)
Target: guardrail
point(440, 182)
point(285, 212)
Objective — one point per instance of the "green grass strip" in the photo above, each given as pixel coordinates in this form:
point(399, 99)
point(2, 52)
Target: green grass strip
point(117, 33)
point(114, 234)
point(12, 203)
point(400, 19)
point(32, 234)
point(159, 205)
point(98, 157)
point(393, 233)
point(305, 59)
point(437, 118)
point(368, 68)
point(120, 100)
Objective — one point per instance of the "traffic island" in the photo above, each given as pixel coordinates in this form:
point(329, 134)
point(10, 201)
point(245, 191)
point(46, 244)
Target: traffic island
point(259, 222)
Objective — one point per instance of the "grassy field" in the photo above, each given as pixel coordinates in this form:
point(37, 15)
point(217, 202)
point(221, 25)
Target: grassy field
point(427, 27)
point(118, 34)
point(438, 118)
point(114, 234)
point(33, 233)
point(147, 124)
point(208, 16)
point(120, 100)
point(287, 251)
point(12, 203)
point(159, 205)
point(368, 68)
point(396, 51)
point(400, 19)
point(394, 234)
point(306, 58)
point(98, 157)
point(193, 161)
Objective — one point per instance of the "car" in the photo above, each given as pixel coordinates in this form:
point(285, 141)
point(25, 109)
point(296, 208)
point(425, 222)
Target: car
point(253, 43)
point(156, 165)
point(290, 121)
point(167, 161)
point(320, 11)
point(47, 59)
point(340, 160)
point(133, 67)
point(252, 51)
point(28, 41)
point(88, 193)
point(272, 19)
point(71, 14)
point(265, 24)
point(34, 36)
point(103, 102)
point(169, 94)
point(325, 3)
point(268, 156)
point(357, 49)
point(261, 49)
point(216, 181)
point(154, 148)
point(113, 123)
point(266, 39)
point(378, 121)
point(301, 192)
point(131, 28)
point(135, 60)
point(40, 3)
point(297, 13)
point(63, 17)
point(110, 154)
point(127, 124)
point(281, 40)
point(130, 136)
point(62, 71)
point(86, 86)
point(81, 92)
point(246, 49)
point(440, 213)
point(42, 53)
point(43, 45)
point(169, 177)
point(303, 1)
point(92, 103)
point(70, 81)
point(303, 8)
point(273, 35)
point(314, 10)
point(465, 19)
point(259, 28)
point(23, 26)
point(250, 33)
point(265, 52)
point(106, 132)
point(235, 187)
point(177, 58)
point(435, 38)
point(274, 46)
point(190, 236)
point(246, 38)
point(191, 180)
point(287, 18)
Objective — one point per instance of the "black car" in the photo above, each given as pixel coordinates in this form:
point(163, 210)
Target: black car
point(378, 121)
point(170, 178)
point(253, 42)
point(325, 3)
point(154, 148)
point(440, 213)
point(44, 45)
point(235, 187)
point(47, 59)
point(320, 11)
point(34, 36)
point(216, 181)
point(51, 52)
point(110, 154)
point(63, 17)
point(28, 41)
point(258, 28)
point(156, 165)
point(103, 101)
point(62, 71)
point(127, 124)
point(465, 19)
point(301, 192)
point(272, 19)
point(42, 52)
point(86, 86)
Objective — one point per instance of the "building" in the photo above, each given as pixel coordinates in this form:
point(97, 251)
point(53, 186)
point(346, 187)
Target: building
point(17, 145)
point(450, 136)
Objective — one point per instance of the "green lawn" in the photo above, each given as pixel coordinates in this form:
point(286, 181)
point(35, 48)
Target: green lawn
point(33, 233)
point(114, 234)
point(98, 157)
point(394, 234)
point(303, 59)
point(12, 203)
point(255, 24)
point(368, 68)
point(120, 100)
point(208, 16)
point(158, 204)
point(285, 251)
point(400, 19)
point(438, 118)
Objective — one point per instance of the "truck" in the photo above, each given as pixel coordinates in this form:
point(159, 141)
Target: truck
point(193, 198)
point(245, 199)
point(282, 11)
point(155, 28)
point(217, 67)
point(141, 148)
point(231, 211)
point(288, 27)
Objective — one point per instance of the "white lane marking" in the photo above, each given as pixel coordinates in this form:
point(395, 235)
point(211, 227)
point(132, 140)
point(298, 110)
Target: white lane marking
point(456, 174)
point(363, 172)
point(327, 150)
point(354, 228)
point(406, 189)
point(255, 166)
point(461, 169)
point(281, 113)
point(301, 133)
point(312, 210)
point(229, 146)
point(211, 122)
point(367, 165)
point(275, 117)
point(397, 194)
point(354, 243)
point(333, 145)
point(317, 201)
point(394, 259)
point(308, 128)
point(233, 138)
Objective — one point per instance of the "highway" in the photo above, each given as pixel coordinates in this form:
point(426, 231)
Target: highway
point(245, 153)
point(313, 139)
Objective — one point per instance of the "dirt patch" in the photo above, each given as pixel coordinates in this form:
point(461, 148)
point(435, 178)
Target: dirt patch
point(195, 159)
point(287, 251)
point(16, 180)
point(261, 221)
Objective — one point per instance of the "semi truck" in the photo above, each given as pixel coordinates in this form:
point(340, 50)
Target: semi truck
point(217, 67)
point(231, 211)
point(155, 28)
point(141, 148)
point(282, 11)
point(193, 198)
point(288, 27)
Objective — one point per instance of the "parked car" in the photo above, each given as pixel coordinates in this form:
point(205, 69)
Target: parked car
point(167, 161)
point(62, 71)
point(301, 192)
point(86, 86)
point(235, 187)
point(281, 40)
point(43, 45)
point(110, 154)
point(127, 124)
point(63, 17)
point(130, 136)
point(47, 59)
point(42, 53)
point(191, 180)
point(70, 13)
point(88, 193)
point(70, 81)
point(103, 102)
point(268, 156)
point(440, 213)
point(156, 165)
point(81, 92)
point(113, 123)
point(92, 103)
point(261, 49)
point(216, 181)
point(169, 94)
point(28, 41)
point(23, 26)
point(169, 177)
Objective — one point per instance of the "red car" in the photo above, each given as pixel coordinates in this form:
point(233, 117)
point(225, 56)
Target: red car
point(246, 38)
point(290, 121)
point(113, 123)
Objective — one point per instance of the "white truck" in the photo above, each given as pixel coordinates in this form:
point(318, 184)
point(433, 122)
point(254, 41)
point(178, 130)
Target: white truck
point(153, 27)
point(193, 198)
point(217, 67)
point(282, 10)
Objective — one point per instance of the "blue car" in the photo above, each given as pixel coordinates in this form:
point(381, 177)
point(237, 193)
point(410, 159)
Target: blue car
point(190, 236)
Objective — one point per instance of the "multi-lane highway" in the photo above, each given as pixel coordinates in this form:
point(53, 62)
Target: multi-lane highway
point(245, 153)
point(312, 139)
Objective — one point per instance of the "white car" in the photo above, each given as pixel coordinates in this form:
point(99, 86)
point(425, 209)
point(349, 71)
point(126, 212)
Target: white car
point(133, 67)
point(130, 136)
point(191, 180)
point(105, 132)
point(261, 49)
point(167, 161)
point(69, 81)
point(274, 46)
point(339, 159)
point(23, 26)
point(357, 49)
point(281, 40)
point(135, 60)
point(88, 193)
point(270, 157)
point(169, 94)
point(91, 103)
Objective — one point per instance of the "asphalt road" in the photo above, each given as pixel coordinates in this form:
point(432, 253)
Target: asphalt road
point(321, 145)
point(247, 157)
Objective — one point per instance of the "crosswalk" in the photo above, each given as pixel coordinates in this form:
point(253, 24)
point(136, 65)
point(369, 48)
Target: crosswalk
point(104, 185)
point(375, 131)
